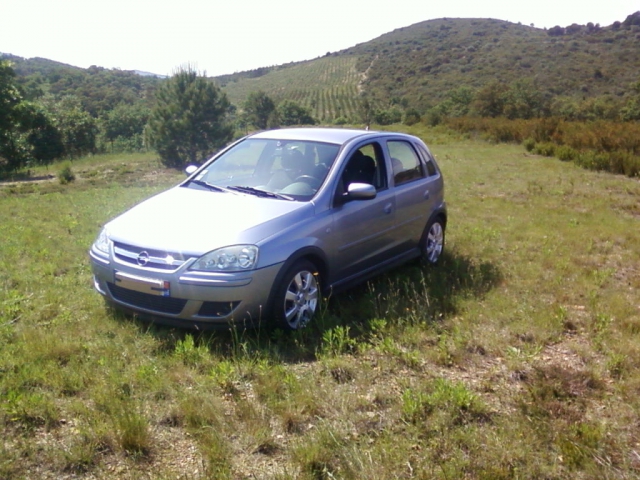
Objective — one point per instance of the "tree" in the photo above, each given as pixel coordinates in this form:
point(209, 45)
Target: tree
point(292, 113)
point(77, 127)
point(631, 110)
point(125, 124)
point(490, 99)
point(387, 117)
point(43, 137)
point(412, 116)
point(259, 108)
point(525, 100)
point(189, 120)
point(9, 96)
point(12, 155)
point(365, 110)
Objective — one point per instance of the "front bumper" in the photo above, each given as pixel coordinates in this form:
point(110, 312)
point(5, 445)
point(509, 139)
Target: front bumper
point(182, 297)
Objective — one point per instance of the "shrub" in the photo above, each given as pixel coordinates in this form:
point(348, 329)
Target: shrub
point(601, 145)
point(529, 144)
point(566, 153)
point(388, 117)
point(593, 160)
point(546, 149)
point(412, 116)
point(624, 163)
point(66, 175)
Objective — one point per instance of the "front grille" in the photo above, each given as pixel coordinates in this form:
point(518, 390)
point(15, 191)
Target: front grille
point(148, 257)
point(168, 305)
point(217, 309)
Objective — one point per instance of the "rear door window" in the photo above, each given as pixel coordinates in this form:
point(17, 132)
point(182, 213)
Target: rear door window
point(405, 162)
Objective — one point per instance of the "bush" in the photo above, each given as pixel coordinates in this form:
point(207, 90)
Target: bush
point(593, 160)
point(529, 144)
point(66, 175)
point(546, 149)
point(624, 163)
point(566, 153)
point(412, 116)
point(388, 117)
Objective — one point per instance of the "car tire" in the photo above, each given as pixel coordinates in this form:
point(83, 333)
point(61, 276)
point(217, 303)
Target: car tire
point(297, 298)
point(432, 242)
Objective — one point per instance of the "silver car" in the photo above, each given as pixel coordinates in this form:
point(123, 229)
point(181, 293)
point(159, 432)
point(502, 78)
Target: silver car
point(272, 223)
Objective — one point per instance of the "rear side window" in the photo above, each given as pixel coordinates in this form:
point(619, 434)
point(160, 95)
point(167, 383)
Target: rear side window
point(404, 161)
point(428, 160)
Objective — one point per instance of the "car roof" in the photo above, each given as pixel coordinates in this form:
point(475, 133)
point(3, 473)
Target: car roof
point(338, 136)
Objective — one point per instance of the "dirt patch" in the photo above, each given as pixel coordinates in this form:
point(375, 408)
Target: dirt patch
point(40, 179)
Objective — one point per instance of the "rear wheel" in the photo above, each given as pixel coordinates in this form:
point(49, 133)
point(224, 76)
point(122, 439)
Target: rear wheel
point(297, 299)
point(432, 243)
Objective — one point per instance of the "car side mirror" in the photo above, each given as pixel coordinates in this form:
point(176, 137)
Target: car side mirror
point(190, 169)
point(361, 191)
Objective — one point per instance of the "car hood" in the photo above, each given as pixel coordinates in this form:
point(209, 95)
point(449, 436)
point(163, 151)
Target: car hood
point(194, 221)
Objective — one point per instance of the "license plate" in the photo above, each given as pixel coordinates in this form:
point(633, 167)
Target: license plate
point(152, 286)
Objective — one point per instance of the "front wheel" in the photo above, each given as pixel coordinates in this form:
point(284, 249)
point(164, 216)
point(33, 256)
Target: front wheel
point(298, 297)
point(432, 243)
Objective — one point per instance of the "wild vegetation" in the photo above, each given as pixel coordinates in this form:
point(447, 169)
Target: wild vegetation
point(596, 145)
point(516, 357)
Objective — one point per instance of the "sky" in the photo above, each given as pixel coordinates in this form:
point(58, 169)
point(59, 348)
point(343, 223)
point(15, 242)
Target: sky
point(227, 36)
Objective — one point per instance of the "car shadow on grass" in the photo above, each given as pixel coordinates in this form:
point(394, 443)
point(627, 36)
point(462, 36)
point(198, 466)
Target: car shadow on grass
point(411, 294)
point(424, 292)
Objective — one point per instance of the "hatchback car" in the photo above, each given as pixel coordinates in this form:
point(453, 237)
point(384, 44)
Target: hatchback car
point(268, 226)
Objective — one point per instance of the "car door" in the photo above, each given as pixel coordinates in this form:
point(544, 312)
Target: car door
point(363, 229)
point(416, 188)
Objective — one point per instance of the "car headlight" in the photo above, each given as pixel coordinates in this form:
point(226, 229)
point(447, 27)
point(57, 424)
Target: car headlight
point(101, 244)
point(236, 258)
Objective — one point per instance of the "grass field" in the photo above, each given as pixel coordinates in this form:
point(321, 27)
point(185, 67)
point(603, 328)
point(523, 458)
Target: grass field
point(516, 357)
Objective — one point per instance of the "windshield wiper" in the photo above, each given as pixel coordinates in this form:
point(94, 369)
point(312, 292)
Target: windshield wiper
point(208, 185)
point(259, 193)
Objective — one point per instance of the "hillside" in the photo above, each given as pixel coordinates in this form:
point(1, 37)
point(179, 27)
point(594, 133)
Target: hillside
point(99, 89)
point(427, 59)
point(418, 65)
point(329, 86)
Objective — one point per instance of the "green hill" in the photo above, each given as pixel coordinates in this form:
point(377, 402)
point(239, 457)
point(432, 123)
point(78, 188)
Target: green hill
point(424, 61)
point(99, 89)
point(419, 65)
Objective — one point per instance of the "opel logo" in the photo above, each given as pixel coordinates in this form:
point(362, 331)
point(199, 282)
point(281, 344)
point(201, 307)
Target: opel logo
point(143, 258)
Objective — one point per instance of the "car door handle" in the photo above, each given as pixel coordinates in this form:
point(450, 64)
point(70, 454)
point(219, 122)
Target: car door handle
point(427, 194)
point(388, 208)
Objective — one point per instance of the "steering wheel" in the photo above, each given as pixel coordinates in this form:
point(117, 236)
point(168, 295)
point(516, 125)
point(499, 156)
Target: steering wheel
point(313, 182)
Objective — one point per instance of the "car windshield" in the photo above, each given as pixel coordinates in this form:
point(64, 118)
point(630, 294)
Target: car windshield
point(286, 169)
